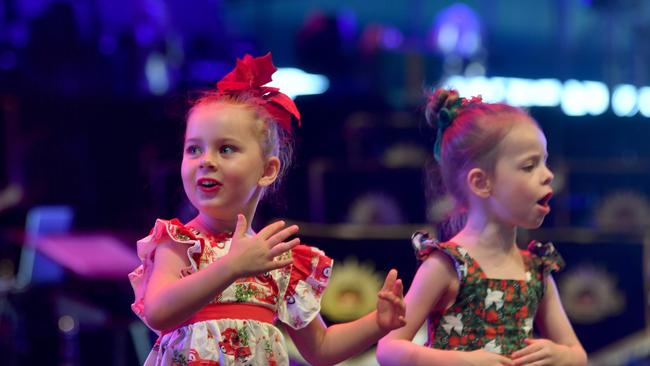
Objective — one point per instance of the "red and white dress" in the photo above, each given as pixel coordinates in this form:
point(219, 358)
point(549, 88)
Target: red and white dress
point(236, 328)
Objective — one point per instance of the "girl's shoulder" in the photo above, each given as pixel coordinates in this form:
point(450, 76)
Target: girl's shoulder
point(162, 233)
point(174, 229)
point(172, 232)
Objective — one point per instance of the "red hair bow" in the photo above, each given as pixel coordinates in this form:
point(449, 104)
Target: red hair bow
point(250, 75)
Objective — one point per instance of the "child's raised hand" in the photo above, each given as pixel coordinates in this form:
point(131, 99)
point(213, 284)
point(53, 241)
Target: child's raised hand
point(540, 352)
point(252, 255)
point(391, 309)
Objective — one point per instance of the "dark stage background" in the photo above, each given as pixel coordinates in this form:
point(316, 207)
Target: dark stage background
point(93, 96)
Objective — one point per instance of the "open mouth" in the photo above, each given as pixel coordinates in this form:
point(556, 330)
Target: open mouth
point(208, 184)
point(544, 201)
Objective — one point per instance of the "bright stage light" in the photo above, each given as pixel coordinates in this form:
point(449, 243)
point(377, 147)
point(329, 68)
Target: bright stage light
point(644, 101)
point(294, 82)
point(624, 100)
point(575, 97)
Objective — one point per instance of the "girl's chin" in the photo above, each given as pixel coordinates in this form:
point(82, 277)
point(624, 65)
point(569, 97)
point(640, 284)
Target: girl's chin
point(533, 225)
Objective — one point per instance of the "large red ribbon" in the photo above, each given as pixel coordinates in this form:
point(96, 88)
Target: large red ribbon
point(249, 76)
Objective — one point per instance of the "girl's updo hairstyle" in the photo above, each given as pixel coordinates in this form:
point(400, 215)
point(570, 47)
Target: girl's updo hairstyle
point(467, 133)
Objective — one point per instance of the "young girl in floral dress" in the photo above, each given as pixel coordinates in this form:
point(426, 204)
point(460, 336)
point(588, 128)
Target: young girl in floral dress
point(212, 288)
point(480, 293)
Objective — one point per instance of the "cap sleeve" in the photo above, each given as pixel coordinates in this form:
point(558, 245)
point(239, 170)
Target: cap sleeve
point(546, 257)
point(310, 273)
point(163, 231)
point(424, 246)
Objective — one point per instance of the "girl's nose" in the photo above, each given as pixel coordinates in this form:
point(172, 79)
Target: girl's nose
point(549, 176)
point(207, 163)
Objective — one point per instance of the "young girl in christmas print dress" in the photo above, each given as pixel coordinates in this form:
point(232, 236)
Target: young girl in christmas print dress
point(480, 293)
point(213, 288)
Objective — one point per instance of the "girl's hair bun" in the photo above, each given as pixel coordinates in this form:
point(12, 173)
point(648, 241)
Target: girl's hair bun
point(442, 107)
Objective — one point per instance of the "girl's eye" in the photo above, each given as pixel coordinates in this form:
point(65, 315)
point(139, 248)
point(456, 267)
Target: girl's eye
point(193, 150)
point(529, 168)
point(227, 149)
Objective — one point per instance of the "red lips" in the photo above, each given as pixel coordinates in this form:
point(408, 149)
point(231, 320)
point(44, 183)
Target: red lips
point(208, 184)
point(543, 203)
point(545, 199)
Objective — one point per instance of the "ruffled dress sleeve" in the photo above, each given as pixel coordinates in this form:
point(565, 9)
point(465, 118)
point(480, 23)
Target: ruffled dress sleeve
point(545, 257)
point(310, 273)
point(163, 231)
point(424, 246)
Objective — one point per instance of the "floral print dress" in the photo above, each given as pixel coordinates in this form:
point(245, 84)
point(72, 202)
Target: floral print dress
point(491, 314)
point(236, 328)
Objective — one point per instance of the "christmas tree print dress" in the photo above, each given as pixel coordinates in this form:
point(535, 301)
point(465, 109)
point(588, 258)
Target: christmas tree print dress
point(237, 327)
point(491, 314)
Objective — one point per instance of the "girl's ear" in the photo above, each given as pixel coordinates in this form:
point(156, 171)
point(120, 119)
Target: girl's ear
point(479, 182)
point(271, 170)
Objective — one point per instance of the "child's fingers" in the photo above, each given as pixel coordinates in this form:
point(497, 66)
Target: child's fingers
point(390, 297)
point(390, 280)
point(530, 341)
point(398, 288)
point(240, 226)
point(523, 352)
point(283, 247)
point(283, 235)
point(280, 264)
point(386, 295)
point(270, 229)
point(400, 305)
point(528, 359)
